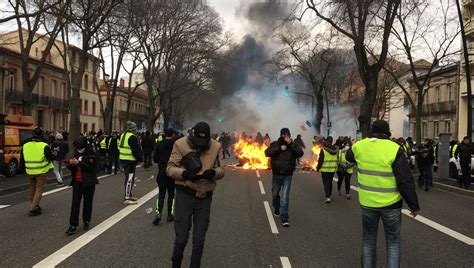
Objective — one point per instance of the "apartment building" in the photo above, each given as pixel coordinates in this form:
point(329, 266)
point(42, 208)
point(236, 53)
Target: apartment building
point(467, 13)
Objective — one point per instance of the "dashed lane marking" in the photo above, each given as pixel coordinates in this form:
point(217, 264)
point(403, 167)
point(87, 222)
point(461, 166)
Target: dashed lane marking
point(4, 206)
point(258, 173)
point(445, 230)
point(69, 249)
point(271, 220)
point(262, 190)
point(285, 262)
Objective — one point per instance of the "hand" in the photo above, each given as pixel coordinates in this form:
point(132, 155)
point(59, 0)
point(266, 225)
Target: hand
point(413, 213)
point(209, 174)
point(188, 175)
point(288, 139)
point(283, 147)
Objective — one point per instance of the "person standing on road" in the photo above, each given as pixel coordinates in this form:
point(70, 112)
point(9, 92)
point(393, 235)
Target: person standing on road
point(147, 147)
point(130, 156)
point(36, 158)
point(161, 156)
point(385, 180)
point(327, 165)
point(114, 154)
point(465, 155)
point(83, 168)
point(195, 166)
point(60, 150)
point(344, 170)
point(283, 154)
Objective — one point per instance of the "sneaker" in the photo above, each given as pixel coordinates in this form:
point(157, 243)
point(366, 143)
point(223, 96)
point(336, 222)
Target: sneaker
point(348, 196)
point(60, 184)
point(35, 212)
point(276, 213)
point(129, 202)
point(426, 189)
point(86, 226)
point(157, 219)
point(170, 218)
point(327, 201)
point(71, 230)
point(133, 198)
point(285, 224)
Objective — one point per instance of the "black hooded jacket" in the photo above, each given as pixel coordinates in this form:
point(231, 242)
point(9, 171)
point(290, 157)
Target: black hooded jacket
point(283, 162)
point(88, 165)
point(162, 154)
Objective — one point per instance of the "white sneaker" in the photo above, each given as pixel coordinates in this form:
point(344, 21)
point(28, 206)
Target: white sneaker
point(328, 200)
point(130, 202)
point(348, 196)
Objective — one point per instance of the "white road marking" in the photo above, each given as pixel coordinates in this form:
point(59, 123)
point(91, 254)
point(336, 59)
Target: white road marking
point(67, 187)
point(262, 190)
point(441, 228)
point(452, 187)
point(258, 173)
point(271, 220)
point(285, 262)
point(4, 206)
point(69, 249)
point(445, 230)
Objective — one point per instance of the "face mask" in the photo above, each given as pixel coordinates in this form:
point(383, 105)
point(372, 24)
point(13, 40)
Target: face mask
point(81, 150)
point(347, 147)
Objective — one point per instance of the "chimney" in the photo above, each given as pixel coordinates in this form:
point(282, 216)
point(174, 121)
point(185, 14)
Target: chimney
point(122, 83)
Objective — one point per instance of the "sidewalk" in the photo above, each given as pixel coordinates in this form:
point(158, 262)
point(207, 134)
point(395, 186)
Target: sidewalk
point(449, 184)
point(20, 182)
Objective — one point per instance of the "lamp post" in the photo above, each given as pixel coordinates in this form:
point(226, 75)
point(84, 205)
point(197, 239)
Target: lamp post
point(287, 93)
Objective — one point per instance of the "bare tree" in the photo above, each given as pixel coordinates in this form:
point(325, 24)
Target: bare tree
point(365, 23)
point(423, 26)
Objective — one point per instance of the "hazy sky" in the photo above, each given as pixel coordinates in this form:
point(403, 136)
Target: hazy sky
point(228, 11)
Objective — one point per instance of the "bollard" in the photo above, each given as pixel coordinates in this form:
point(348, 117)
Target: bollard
point(443, 156)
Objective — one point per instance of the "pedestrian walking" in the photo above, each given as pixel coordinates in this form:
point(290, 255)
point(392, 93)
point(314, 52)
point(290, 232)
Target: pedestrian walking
point(161, 156)
point(147, 147)
point(37, 159)
point(83, 168)
point(428, 167)
point(114, 153)
point(344, 170)
point(195, 166)
point(60, 149)
point(283, 154)
point(130, 156)
point(385, 180)
point(299, 141)
point(327, 165)
point(465, 155)
point(104, 153)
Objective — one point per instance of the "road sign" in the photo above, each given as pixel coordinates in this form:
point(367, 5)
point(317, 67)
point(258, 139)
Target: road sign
point(329, 125)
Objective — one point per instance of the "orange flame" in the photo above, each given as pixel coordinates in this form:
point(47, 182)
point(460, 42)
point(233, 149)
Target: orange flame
point(253, 154)
point(312, 164)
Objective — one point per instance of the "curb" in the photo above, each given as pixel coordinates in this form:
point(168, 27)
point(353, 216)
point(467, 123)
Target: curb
point(454, 189)
point(26, 186)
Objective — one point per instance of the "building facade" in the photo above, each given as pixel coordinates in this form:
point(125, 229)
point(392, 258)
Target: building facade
point(467, 13)
point(439, 112)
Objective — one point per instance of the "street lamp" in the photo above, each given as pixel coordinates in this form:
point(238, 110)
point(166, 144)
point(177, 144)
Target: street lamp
point(287, 94)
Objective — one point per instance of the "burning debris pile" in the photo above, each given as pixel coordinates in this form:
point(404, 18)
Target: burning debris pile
point(251, 154)
point(312, 163)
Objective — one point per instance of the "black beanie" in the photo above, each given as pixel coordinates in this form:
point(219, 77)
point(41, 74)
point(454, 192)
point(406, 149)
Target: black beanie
point(381, 127)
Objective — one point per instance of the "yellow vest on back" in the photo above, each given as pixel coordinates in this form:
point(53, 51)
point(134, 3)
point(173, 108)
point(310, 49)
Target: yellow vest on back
point(35, 161)
point(377, 184)
point(124, 147)
point(329, 163)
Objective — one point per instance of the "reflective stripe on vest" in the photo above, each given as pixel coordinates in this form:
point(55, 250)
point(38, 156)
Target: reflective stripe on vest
point(341, 160)
point(35, 161)
point(103, 144)
point(124, 147)
point(452, 150)
point(377, 183)
point(329, 163)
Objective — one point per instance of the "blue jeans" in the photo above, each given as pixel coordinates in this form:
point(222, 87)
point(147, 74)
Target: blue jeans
point(428, 176)
point(283, 183)
point(392, 220)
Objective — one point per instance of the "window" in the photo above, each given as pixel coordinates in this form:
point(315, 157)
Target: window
point(93, 108)
point(447, 126)
point(424, 130)
point(54, 88)
point(86, 107)
point(438, 94)
point(41, 86)
point(80, 107)
point(85, 128)
point(63, 91)
point(436, 129)
point(93, 127)
point(450, 91)
point(87, 64)
point(12, 80)
point(86, 82)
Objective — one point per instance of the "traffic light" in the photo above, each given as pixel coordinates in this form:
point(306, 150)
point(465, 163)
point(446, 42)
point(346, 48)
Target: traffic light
point(287, 92)
point(219, 120)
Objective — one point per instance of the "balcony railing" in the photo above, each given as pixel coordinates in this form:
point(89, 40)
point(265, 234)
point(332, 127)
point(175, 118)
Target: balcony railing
point(16, 96)
point(133, 116)
point(445, 107)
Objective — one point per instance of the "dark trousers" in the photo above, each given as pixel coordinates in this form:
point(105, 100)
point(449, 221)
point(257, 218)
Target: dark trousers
point(225, 150)
point(327, 182)
point(129, 171)
point(466, 173)
point(79, 191)
point(190, 211)
point(346, 177)
point(165, 184)
point(114, 160)
point(147, 159)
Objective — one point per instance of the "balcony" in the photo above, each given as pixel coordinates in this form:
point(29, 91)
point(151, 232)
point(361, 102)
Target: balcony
point(445, 107)
point(133, 116)
point(15, 96)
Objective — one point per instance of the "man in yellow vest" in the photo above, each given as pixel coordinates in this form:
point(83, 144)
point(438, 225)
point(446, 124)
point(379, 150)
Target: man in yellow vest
point(37, 159)
point(385, 180)
point(130, 156)
point(327, 165)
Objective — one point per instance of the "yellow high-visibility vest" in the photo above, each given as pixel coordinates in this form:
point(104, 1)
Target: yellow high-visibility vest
point(329, 163)
point(124, 147)
point(341, 158)
point(35, 160)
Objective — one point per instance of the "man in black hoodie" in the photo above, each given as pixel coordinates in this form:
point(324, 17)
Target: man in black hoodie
point(283, 154)
point(161, 156)
point(465, 154)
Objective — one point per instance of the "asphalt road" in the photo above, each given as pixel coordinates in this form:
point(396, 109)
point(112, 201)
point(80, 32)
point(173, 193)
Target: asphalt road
point(239, 235)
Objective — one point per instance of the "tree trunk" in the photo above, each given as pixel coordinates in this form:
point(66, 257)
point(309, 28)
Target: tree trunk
point(419, 110)
point(76, 81)
point(319, 111)
point(367, 106)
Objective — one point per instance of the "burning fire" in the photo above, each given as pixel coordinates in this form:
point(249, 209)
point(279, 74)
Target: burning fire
point(252, 154)
point(313, 162)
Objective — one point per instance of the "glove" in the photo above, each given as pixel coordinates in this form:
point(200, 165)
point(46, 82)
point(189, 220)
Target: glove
point(188, 175)
point(209, 174)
